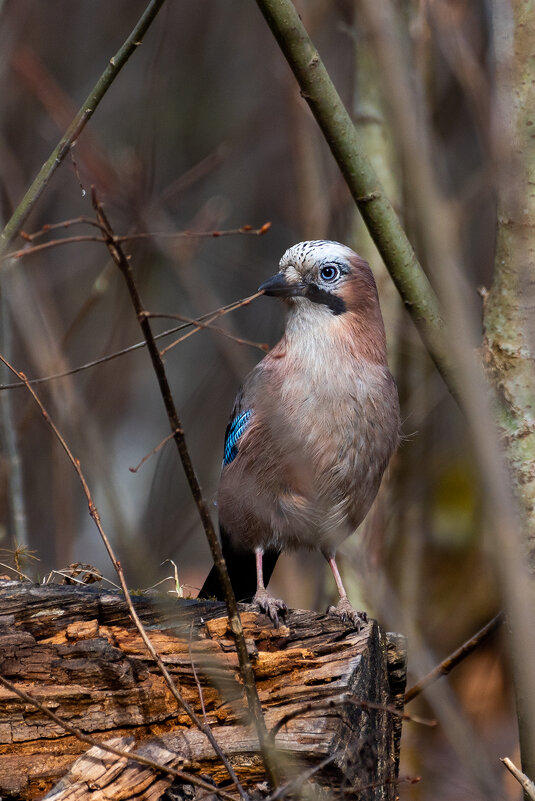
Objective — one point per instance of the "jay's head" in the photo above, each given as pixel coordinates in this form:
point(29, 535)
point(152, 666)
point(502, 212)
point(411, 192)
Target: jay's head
point(324, 275)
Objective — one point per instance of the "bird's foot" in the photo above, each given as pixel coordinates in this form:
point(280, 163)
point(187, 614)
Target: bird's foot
point(272, 607)
point(348, 614)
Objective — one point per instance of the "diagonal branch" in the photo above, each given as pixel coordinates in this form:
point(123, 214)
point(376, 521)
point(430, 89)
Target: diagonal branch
point(207, 325)
point(451, 661)
point(380, 218)
point(246, 670)
point(116, 63)
point(208, 317)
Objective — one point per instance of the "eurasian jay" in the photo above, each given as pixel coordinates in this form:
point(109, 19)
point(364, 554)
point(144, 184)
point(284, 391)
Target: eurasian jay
point(313, 426)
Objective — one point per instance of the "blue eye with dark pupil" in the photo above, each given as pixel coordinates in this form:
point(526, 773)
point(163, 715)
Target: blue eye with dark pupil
point(329, 273)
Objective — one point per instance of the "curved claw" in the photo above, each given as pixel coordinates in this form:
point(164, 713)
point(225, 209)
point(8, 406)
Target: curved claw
point(348, 614)
point(272, 607)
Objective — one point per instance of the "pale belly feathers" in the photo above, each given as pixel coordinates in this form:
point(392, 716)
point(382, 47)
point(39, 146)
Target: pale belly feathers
point(322, 432)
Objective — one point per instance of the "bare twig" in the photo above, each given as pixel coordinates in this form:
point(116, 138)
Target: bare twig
point(152, 452)
point(115, 64)
point(246, 670)
point(527, 785)
point(93, 511)
point(54, 227)
point(191, 321)
point(453, 659)
point(54, 243)
point(244, 229)
point(85, 738)
point(207, 318)
point(64, 573)
point(88, 365)
point(77, 171)
point(72, 240)
point(15, 570)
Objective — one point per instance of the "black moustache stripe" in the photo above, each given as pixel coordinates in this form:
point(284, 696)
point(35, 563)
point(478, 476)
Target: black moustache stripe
point(317, 295)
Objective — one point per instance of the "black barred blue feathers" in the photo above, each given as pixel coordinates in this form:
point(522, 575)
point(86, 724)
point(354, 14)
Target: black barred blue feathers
point(235, 429)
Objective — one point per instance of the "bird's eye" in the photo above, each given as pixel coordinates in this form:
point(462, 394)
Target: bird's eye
point(329, 272)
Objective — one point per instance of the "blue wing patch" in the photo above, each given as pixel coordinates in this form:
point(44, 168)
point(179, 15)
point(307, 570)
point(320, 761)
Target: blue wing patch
point(234, 431)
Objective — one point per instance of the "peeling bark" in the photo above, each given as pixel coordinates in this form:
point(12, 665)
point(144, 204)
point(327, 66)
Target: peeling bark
point(76, 650)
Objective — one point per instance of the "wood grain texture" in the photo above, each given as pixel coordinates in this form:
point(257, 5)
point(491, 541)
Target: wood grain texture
point(76, 650)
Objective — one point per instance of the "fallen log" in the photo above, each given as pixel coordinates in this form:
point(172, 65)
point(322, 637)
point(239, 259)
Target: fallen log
point(331, 694)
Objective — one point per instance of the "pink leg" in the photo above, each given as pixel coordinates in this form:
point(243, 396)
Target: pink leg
point(337, 577)
point(343, 609)
point(259, 553)
point(262, 600)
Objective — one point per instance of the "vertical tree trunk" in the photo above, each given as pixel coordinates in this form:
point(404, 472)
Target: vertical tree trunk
point(508, 316)
point(509, 343)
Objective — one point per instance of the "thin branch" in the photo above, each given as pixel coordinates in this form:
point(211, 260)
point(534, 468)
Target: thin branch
point(455, 657)
point(54, 243)
point(71, 240)
point(260, 345)
point(237, 304)
point(246, 670)
point(152, 452)
point(54, 227)
point(116, 63)
point(93, 511)
point(129, 755)
point(245, 229)
point(527, 785)
point(66, 573)
point(207, 318)
point(16, 570)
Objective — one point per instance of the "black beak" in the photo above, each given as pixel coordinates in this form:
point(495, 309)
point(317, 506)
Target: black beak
point(278, 286)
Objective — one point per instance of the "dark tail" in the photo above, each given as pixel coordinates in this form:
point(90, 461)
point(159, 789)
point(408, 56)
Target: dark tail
point(242, 571)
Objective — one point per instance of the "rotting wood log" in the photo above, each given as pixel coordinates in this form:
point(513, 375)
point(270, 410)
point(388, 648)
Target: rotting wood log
point(76, 650)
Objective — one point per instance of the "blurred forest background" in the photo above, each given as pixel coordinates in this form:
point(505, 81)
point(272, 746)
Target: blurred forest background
point(205, 130)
